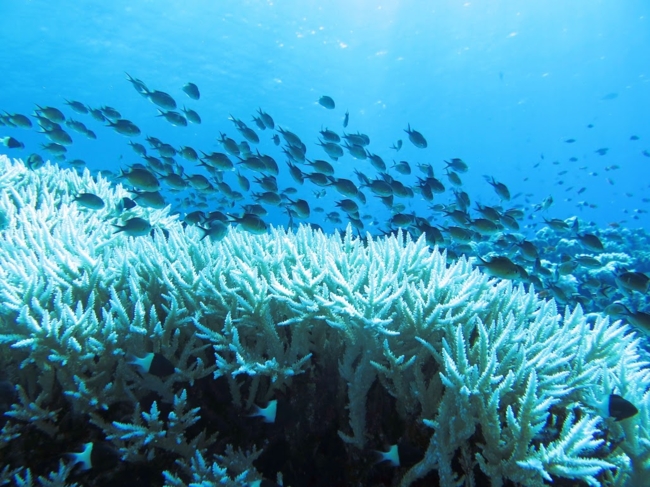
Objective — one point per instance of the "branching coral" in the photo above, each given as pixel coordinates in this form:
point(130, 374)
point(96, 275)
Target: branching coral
point(489, 380)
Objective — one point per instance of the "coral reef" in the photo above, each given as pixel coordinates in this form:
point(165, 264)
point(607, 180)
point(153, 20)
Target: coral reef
point(362, 342)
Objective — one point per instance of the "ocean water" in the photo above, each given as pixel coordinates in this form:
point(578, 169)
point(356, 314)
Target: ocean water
point(548, 98)
point(502, 85)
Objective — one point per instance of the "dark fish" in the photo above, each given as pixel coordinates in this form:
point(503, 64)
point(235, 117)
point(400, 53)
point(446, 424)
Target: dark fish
point(402, 167)
point(173, 117)
point(153, 363)
point(570, 141)
point(134, 227)
point(97, 114)
point(397, 146)
point(346, 119)
point(602, 151)
point(139, 85)
point(327, 102)
point(633, 281)
point(192, 116)
point(501, 267)
point(110, 112)
point(77, 106)
point(634, 137)
point(95, 455)
point(90, 201)
point(251, 223)
point(330, 136)
point(53, 114)
point(19, 120)
point(267, 119)
point(12, 143)
point(500, 188)
point(215, 232)
point(56, 149)
point(141, 178)
point(192, 91)
point(161, 99)
point(620, 408)
point(124, 127)
point(34, 161)
point(416, 138)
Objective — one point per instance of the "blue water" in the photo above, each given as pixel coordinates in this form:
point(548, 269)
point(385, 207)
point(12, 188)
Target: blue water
point(500, 84)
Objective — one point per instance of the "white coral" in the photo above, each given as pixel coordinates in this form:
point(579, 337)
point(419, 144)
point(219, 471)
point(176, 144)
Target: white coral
point(487, 365)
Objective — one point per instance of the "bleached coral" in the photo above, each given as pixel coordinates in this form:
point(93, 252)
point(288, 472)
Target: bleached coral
point(497, 380)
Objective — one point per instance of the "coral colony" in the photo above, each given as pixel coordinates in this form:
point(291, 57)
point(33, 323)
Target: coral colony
point(134, 351)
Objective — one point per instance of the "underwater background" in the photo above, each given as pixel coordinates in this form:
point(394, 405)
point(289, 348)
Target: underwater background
point(513, 133)
point(503, 85)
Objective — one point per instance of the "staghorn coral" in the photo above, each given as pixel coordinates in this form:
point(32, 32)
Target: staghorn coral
point(486, 379)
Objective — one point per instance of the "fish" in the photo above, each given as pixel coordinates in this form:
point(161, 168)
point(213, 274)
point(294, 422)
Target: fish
point(18, 120)
point(396, 146)
point(216, 231)
point(141, 179)
point(90, 201)
point(153, 363)
point(633, 281)
point(416, 138)
point(268, 414)
point(502, 267)
point(51, 113)
point(346, 119)
point(620, 408)
point(134, 227)
point(192, 116)
point(138, 85)
point(12, 143)
point(94, 455)
point(499, 188)
point(173, 117)
point(191, 90)
point(161, 99)
point(124, 127)
point(327, 102)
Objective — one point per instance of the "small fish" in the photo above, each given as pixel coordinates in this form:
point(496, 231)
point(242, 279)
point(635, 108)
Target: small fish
point(173, 117)
point(95, 455)
point(402, 167)
point(268, 413)
point(139, 85)
point(161, 99)
point(500, 188)
point(19, 120)
point(267, 119)
point(397, 146)
point(153, 363)
point(416, 138)
point(501, 267)
point(327, 102)
point(12, 143)
point(602, 151)
point(77, 106)
point(192, 116)
point(52, 114)
point(346, 119)
point(134, 227)
point(124, 127)
point(569, 141)
point(215, 232)
point(192, 91)
point(634, 137)
point(90, 201)
point(620, 408)
point(141, 178)
point(633, 281)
